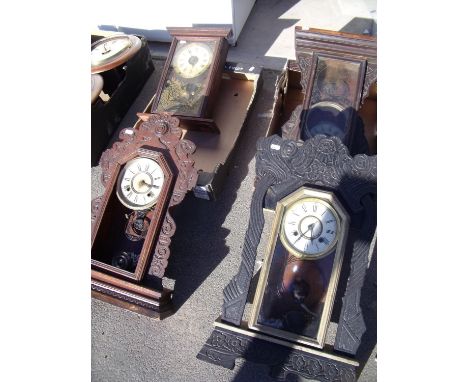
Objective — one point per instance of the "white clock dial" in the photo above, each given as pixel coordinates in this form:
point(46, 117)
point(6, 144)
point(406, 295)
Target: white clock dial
point(107, 50)
point(140, 183)
point(192, 59)
point(310, 226)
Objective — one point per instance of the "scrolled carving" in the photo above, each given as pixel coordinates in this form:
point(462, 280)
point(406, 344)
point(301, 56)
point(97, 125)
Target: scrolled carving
point(305, 64)
point(158, 130)
point(162, 251)
point(223, 347)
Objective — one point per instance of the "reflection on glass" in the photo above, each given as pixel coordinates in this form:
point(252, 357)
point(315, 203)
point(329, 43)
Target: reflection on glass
point(295, 293)
point(335, 80)
point(326, 118)
point(187, 79)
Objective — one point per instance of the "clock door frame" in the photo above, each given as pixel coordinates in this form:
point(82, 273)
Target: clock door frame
point(156, 221)
point(219, 35)
point(337, 251)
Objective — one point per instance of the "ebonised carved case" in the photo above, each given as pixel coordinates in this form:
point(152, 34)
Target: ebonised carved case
point(282, 167)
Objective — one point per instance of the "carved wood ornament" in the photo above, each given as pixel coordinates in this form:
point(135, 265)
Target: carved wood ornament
point(283, 166)
point(158, 138)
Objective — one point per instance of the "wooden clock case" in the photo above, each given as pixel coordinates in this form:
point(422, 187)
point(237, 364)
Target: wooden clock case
point(203, 121)
point(122, 84)
point(158, 138)
point(352, 61)
point(282, 167)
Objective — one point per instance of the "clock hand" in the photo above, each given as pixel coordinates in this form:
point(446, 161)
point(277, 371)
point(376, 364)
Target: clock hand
point(147, 184)
point(310, 227)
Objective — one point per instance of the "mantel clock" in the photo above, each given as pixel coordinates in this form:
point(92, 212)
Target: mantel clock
point(192, 75)
point(145, 174)
point(337, 70)
point(324, 204)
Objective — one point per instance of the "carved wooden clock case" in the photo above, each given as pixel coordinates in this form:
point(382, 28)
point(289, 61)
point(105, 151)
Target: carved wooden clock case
point(337, 71)
point(325, 220)
point(192, 75)
point(145, 174)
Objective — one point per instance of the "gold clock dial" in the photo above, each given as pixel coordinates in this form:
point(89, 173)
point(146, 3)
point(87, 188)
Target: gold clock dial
point(310, 228)
point(140, 183)
point(192, 59)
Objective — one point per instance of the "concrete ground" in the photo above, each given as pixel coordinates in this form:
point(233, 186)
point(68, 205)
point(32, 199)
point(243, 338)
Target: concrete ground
point(208, 242)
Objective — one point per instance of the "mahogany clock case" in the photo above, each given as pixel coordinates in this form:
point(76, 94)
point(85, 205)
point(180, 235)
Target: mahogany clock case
point(138, 239)
point(122, 85)
point(199, 117)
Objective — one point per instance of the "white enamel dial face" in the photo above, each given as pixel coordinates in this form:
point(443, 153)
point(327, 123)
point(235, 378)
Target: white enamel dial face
point(310, 226)
point(107, 50)
point(140, 183)
point(192, 59)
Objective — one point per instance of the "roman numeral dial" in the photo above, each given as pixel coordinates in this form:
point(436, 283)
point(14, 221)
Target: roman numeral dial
point(140, 183)
point(310, 226)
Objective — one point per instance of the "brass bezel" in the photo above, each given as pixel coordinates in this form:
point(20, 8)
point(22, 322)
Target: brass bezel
point(123, 199)
point(301, 193)
point(300, 254)
point(179, 50)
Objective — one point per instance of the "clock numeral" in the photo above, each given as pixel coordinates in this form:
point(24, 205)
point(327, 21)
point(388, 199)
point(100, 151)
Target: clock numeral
point(129, 195)
point(330, 231)
point(292, 223)
point(325, 240)
point(146, 167)
point(136, 199)
point(329, 221)
point(139, 167)
point(127, 179)
point(304, 207)
point(314, 207)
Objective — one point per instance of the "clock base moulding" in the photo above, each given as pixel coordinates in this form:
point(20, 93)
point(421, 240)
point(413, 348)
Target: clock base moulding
point(227, 343)
point(136, 279)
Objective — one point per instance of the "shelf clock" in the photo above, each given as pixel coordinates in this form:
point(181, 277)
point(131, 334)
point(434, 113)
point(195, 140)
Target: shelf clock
point(145, 175)
point(192, 75)
point(337, 70)
point(324, 204)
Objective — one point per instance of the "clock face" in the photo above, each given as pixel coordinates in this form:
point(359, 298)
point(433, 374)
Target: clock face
point(140, 183)
point(108, 49)
point(310, 228)
point(192, 59)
